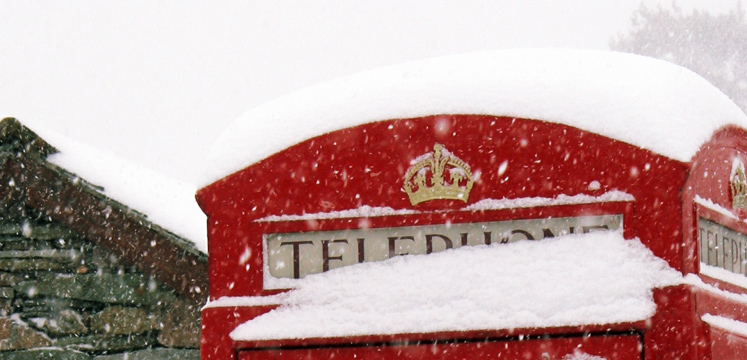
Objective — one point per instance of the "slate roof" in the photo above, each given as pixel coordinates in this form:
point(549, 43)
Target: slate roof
point(27, 177)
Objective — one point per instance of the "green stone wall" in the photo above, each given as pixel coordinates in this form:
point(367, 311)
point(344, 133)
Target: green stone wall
point(63, 297)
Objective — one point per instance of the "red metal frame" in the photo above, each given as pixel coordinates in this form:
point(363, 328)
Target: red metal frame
point(544, 160)
point(616, 346)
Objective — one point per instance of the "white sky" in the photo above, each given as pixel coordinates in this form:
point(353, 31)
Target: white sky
point(156, 82)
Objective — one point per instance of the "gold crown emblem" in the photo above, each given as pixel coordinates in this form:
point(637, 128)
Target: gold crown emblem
point(738, 184)
point(433, 167)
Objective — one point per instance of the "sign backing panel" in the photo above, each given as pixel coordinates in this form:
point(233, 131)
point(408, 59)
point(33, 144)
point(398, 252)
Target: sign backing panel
point(291, 256)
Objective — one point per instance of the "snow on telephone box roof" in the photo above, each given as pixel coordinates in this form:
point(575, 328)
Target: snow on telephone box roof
point(642, 101)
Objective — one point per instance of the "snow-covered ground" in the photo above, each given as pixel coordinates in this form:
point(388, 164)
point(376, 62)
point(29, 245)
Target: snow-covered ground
point(166, 202)
point(642, 101)
point(595, 278)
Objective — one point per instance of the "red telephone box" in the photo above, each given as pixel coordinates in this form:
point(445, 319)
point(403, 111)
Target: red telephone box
point(367, 195)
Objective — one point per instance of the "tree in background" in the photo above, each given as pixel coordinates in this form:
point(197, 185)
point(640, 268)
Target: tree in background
point(714, 46)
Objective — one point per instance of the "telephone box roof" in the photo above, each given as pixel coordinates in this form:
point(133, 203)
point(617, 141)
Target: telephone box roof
point(649, 103)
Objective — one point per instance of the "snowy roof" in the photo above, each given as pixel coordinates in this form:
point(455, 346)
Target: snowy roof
point(596, 278)
point(642, 101)
point(165, 201)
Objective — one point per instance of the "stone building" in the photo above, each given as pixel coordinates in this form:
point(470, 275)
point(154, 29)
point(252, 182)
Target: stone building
point(83, 276)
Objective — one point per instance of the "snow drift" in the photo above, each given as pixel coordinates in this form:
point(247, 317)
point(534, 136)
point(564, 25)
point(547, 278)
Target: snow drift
point(596, 278)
